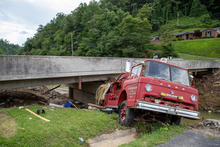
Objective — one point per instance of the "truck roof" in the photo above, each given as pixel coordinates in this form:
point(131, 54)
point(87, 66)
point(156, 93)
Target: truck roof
point(164, 63)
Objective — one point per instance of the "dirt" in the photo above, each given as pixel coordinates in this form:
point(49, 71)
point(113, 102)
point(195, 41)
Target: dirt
point(26, 96)
point(114, 139)
point(8, 126)
point(209, 91)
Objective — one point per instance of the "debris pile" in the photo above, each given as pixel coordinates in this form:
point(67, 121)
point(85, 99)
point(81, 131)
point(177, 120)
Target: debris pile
point(210, 124)
point(209, 91)
point(51, 95)
point(210, 127)
point(26, 96)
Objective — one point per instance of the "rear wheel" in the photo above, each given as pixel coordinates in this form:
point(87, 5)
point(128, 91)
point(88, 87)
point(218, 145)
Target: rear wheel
point(126, 115)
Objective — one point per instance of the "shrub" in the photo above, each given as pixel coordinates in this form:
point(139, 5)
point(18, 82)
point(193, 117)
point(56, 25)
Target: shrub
point(179, 38)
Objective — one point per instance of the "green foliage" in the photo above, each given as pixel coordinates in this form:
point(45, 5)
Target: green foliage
point(118, 28)
point(1, 52)
point(134, 35)
point(8, 48)
point(197, 9)
point(145, 12)
point(160, 135)
point(168, 50)
point(187, 24)
point(208, 47)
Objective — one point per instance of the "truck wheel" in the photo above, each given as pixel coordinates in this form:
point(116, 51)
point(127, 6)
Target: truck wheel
point(126, 115)
point(175, 120)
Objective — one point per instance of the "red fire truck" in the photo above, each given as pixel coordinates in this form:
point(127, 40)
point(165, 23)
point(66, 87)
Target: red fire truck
point(153, 88)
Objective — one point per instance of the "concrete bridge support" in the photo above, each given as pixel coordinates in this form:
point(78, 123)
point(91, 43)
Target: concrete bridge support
point(86, 94)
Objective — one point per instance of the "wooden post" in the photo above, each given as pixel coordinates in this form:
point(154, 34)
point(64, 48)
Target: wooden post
point(71, 95)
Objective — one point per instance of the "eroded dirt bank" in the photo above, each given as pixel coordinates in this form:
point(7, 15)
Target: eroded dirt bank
point(26, 96)
point(209, 90)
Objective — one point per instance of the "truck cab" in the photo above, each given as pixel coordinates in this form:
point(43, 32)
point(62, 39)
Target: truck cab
point(153, 86)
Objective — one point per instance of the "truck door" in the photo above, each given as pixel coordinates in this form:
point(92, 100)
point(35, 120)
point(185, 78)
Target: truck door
point(132, 86)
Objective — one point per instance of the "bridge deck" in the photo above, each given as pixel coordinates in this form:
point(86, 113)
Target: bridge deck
point(23, 71)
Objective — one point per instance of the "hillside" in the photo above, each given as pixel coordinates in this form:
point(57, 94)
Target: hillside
point(120, 28)
point(8, 48)
point(187, 23)
point(203, 47)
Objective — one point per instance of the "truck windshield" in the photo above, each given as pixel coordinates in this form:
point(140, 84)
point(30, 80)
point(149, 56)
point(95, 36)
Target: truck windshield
point(167, 72)
point(179, 75)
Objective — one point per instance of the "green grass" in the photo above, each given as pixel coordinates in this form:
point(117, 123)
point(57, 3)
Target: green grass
point(67, 125)
point(64, 129)
point(160, 135)
point(202, 47)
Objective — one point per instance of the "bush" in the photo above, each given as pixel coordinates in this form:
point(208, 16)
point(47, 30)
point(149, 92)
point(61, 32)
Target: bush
point(219, 35)
point(207, 37)
point(179, 38)
point(168, 50)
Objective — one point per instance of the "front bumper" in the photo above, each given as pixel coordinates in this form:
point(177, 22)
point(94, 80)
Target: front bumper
point(168, 110)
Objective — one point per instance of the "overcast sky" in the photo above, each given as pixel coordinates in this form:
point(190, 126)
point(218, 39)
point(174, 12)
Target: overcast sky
point(19, 19)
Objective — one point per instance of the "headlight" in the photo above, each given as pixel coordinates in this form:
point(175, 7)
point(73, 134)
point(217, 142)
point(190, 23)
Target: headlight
point(148, 88)
point(193, 98)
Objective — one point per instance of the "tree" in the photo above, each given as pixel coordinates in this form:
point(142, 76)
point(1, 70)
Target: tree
point(1, 52)
point(145, 12)
point(134, 35)
point(116, 27)
point(168, 50)
point(8, 48)
point(197, 9)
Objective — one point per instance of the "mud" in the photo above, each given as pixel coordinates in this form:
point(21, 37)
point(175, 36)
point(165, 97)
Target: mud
point(114, 139)
point(8, 126)
point(208, 86)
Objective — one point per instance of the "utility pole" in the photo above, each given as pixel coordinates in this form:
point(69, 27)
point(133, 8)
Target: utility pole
point(72, 42)
point(178, 18)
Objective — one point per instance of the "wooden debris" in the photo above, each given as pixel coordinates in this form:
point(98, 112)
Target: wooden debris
point(97, 106)
point(37, 115)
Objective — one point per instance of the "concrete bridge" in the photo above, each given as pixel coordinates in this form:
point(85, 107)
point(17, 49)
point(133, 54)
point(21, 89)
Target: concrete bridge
point(29, 71)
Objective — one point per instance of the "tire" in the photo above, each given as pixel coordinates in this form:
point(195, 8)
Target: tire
point(175, 120)
point(126, 115)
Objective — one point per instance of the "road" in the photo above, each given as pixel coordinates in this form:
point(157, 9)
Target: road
point(190, 138)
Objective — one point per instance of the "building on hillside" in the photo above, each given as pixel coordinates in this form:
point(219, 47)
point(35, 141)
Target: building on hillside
point(213, 32)
point(198, 34)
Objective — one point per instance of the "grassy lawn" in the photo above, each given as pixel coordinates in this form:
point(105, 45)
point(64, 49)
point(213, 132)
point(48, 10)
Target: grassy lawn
point(64, 129)
point(202, 47)
point(66, 126)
